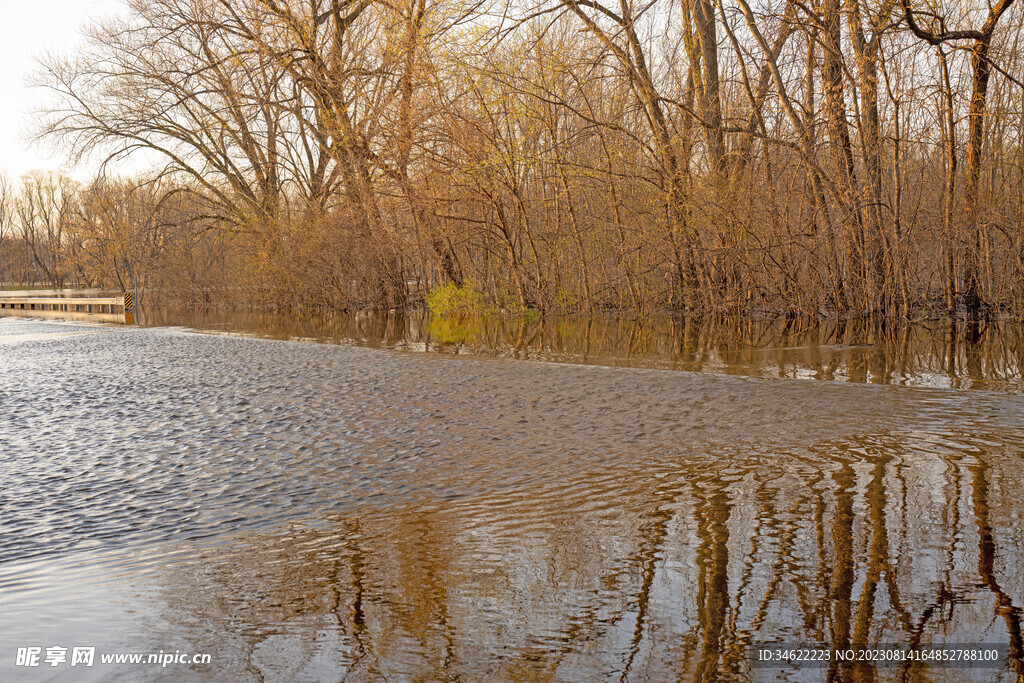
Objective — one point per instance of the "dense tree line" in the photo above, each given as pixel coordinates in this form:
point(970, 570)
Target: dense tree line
point(838, 156)
point(55, 232)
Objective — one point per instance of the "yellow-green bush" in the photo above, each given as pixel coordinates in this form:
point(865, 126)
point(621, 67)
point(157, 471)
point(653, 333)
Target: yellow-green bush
point(451, 301)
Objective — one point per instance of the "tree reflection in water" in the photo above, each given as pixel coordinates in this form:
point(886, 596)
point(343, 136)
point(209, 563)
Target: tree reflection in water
point(959, 355)
point(667, 572)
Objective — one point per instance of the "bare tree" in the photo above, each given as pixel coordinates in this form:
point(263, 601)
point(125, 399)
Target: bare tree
point(980, 41)
point(6, 225)
point(718, 156)
point(45, 209)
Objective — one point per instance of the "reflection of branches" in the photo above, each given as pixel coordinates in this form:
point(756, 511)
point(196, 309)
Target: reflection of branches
point(430, 588)
point(647, 556)
point(713, 591)
point(840, 588)
point(760, 347)
point(785, 559)
point(766, 518)
point(356, 616)
point(986, 565)
point(945, 598)
point(890, 574)
point(878, 555)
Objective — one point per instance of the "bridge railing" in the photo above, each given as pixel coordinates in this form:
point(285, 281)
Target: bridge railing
point(18, 301)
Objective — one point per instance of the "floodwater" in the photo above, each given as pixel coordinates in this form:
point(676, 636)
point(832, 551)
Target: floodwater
point(936, 354)
point(317, 512)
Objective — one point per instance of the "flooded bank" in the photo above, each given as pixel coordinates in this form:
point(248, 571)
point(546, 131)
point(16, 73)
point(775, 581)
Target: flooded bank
point(325, 512)
point(940, 354)
point(936, 354)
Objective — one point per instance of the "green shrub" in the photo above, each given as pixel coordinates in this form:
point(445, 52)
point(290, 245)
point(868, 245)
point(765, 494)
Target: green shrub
point(448, 300)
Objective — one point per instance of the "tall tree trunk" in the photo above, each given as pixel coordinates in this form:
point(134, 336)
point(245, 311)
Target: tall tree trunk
point(867, 51)
point(981, 70)
point(842, 148)
point(949, 188)
point(709, 90)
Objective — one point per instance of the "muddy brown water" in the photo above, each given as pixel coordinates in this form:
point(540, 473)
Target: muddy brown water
point(931, 354)
point(306, 511)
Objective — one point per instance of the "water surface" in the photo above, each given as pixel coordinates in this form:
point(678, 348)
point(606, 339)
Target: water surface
point(330, 512)
point(930, 353)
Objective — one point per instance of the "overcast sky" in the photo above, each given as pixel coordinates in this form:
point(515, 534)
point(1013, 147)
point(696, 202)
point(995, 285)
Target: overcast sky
point(29, 29)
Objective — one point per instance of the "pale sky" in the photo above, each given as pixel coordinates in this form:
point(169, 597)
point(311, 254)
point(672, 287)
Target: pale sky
point(29, 29)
